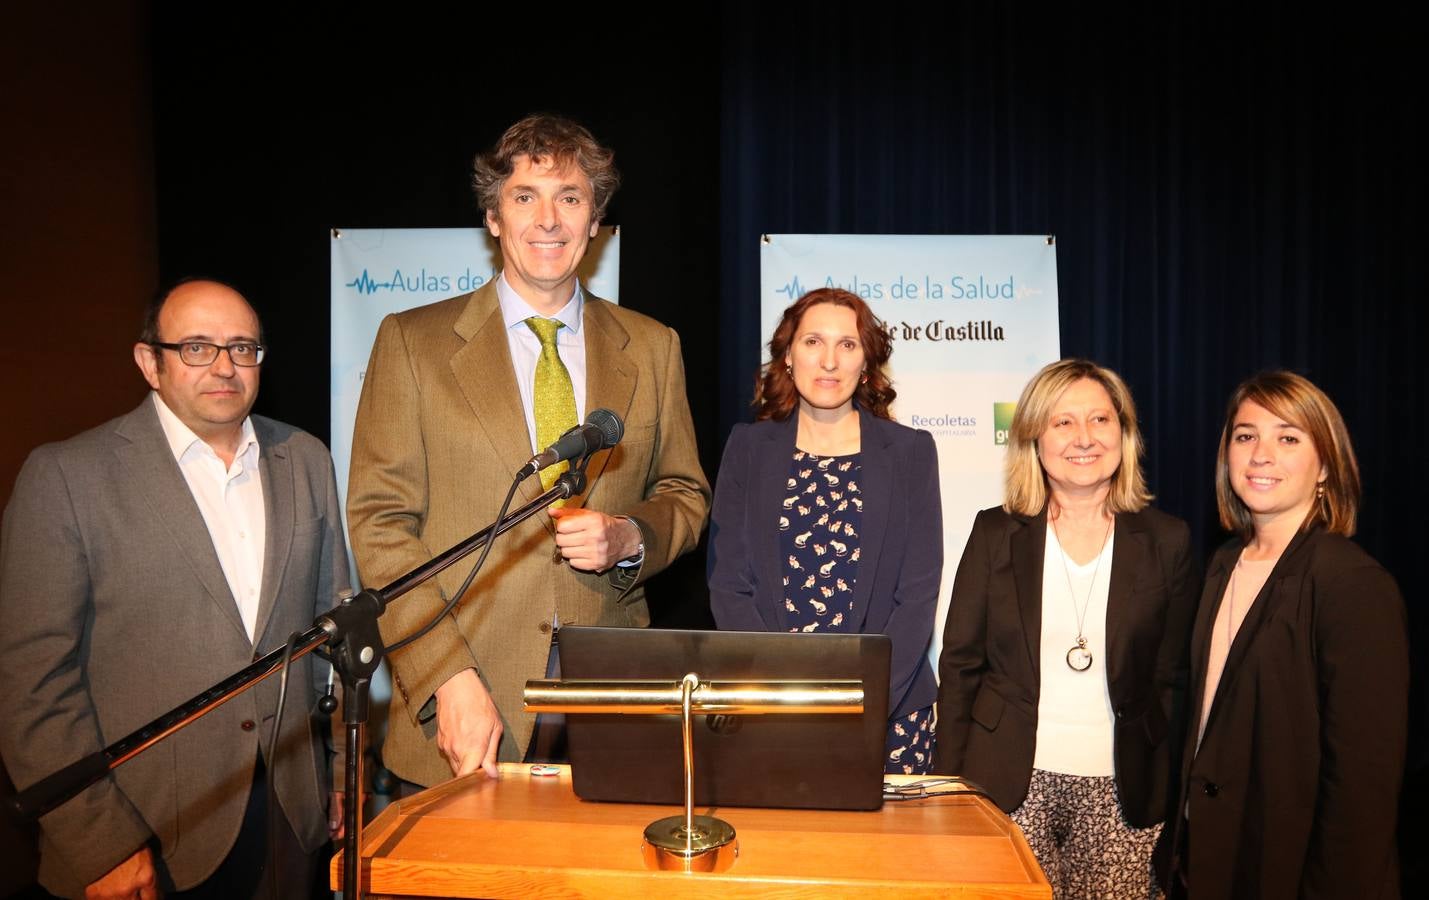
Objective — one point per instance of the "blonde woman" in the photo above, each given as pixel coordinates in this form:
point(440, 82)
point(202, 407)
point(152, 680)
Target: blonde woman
point(1063, 660)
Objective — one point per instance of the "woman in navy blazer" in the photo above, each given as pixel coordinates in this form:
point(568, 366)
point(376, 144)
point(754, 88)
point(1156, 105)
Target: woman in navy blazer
point(827, 515)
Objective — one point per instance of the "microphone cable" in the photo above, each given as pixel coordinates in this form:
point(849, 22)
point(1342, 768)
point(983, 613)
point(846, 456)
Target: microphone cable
point(456, 595)
point(391, 648)
point(919, 790)
point(611, 428)
point(270, 769)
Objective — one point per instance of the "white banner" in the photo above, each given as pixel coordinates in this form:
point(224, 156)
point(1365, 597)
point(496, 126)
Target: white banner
point(376, 271)
point(972, 319)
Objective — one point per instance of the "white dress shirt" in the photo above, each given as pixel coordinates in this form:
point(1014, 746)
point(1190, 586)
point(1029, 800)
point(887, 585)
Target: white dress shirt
point(231, 502)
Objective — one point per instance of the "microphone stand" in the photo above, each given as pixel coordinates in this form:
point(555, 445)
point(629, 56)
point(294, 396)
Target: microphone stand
point(357, 650)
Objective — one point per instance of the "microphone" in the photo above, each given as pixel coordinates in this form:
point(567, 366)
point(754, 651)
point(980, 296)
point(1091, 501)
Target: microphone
point(602, 429)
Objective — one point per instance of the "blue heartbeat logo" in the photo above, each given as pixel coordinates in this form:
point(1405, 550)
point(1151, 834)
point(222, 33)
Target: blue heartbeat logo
point(365, 285)
point(792, 290)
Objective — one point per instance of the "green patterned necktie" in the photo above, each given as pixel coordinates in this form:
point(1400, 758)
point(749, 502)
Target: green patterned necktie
point(554, 399)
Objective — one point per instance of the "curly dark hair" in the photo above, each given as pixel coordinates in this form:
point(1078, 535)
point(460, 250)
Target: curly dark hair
point(775, 396)
point(538, 137)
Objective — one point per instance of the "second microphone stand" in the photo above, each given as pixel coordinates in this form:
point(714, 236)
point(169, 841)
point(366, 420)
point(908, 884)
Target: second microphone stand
point(357, 650)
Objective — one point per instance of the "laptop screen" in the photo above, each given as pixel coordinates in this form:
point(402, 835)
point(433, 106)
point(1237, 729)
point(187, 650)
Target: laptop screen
point(804, 761)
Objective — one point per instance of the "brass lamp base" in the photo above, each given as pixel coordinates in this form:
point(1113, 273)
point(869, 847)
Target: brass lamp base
point(692, 843)
point(711, 847)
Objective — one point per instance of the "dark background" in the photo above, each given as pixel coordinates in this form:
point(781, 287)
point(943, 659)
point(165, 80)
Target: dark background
point(1227, 194)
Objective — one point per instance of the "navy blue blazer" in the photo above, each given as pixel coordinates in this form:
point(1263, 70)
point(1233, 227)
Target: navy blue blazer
point(902, 542)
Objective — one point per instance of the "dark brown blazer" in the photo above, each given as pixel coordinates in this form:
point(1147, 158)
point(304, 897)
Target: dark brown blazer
point(990, 672)
point(1294, 789)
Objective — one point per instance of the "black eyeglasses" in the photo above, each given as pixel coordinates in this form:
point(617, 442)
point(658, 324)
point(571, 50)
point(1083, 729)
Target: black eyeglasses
point(203, 353)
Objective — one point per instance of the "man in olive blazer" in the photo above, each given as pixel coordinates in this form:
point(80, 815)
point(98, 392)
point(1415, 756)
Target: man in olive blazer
point(115, 608)
point(445, 421)
point(440, 434)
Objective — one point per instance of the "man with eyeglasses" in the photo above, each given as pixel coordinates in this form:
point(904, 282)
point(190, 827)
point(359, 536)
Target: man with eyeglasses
point(143, 561)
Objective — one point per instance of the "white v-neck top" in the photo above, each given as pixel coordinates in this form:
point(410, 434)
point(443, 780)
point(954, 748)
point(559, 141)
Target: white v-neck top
point(1074, 716)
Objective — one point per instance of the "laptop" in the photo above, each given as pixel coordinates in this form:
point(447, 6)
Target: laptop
point(813, 761)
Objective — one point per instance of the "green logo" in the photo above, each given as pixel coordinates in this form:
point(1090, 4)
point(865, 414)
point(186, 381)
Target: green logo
point(1002, 422)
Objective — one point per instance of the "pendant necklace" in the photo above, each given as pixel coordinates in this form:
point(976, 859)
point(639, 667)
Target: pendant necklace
point(1079, 658)
point(1232, 626)
point(1230, 612)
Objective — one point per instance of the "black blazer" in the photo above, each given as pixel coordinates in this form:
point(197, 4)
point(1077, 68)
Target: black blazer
point(990, 669)
point(902, 542)
point(1294, 789)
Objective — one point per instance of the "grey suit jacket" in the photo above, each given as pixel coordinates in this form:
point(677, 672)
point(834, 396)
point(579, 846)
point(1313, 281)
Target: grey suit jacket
point(114, 609)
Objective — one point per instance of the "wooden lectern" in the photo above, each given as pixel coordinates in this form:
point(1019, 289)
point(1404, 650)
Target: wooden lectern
point(529, 836)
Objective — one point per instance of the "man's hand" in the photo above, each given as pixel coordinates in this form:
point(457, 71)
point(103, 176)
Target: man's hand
point(468, 725)
point(134, 877)
point(337, 815)
point(592, 541)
